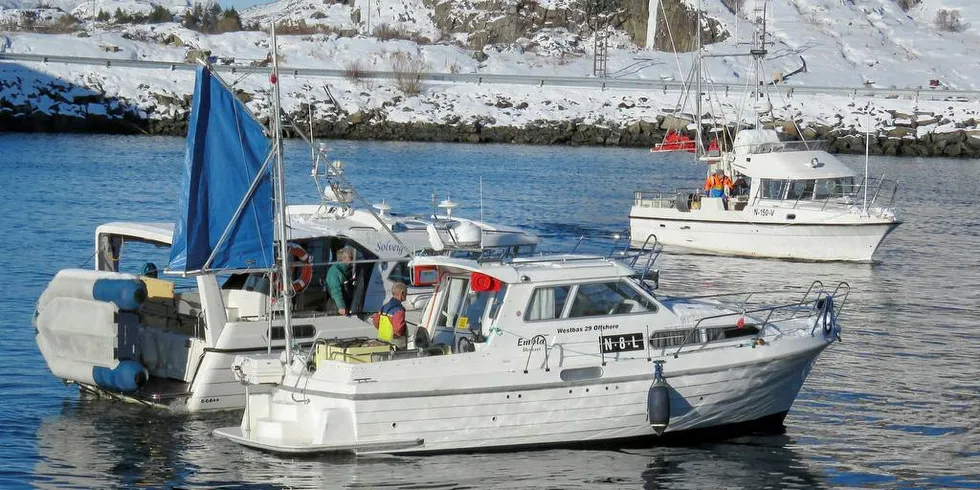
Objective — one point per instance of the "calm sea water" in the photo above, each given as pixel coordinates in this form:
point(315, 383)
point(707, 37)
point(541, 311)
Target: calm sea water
point(894, 406)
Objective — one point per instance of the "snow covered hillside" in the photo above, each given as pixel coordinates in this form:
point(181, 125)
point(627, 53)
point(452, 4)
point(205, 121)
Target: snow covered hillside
point(844, 43)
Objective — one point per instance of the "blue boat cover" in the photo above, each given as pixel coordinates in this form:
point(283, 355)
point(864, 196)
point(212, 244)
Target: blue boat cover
point(226, 150)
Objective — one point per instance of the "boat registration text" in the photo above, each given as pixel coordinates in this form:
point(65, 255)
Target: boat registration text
point(622, 343)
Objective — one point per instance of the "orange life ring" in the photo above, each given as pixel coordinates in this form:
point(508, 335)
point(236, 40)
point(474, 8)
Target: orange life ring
point(302, 264)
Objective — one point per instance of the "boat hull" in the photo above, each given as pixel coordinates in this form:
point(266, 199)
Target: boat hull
point(740, 387)
point(854, 239)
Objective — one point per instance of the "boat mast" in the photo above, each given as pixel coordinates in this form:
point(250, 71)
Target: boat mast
point(280, 200)
point(699, 150)
point(759, 53)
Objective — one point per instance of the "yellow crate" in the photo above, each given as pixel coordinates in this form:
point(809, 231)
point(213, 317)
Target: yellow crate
point(366, 351)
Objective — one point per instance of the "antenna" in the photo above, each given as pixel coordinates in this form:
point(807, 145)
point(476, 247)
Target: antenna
point(481, 198)
point(312, 138)
point(867, 158)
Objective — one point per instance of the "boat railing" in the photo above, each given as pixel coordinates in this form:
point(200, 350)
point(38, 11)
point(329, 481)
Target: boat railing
point(780, 146)
point(639, 259)
point(536, 340)
point(664, 199)
point(796, 309)
point(880, 193)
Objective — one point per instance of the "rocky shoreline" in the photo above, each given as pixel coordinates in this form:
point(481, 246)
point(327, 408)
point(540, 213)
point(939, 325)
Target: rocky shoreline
point(900, 141)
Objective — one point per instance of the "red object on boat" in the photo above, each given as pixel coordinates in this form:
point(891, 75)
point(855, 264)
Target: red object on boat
point(424, 275)
point(481, 282)
point(273, 79)
point(675, 141)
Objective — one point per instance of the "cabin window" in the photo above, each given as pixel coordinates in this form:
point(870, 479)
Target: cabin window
point(401, 273)
point(608, 298)
point(498, 299)
point(826, 188)
point(299, 332)
point(547, 303)
point(455, 289)
point(800, 189)
point(476, 306)
point(772, 189)
point(674, 338)
point(829, 188)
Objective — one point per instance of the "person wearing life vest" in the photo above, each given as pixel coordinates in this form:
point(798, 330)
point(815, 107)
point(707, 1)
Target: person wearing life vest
point(717, 184)
point(390, 321)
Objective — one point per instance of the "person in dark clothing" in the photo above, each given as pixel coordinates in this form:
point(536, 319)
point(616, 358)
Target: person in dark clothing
point(339, 279)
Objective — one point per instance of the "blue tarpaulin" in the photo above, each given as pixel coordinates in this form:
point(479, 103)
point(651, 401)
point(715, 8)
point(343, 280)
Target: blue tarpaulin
point(226, 150)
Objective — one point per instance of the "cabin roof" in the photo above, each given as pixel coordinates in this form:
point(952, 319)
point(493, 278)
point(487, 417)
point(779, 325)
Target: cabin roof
point(311, 221)
point(160, 232)
point(565, 267)
point(793, 165)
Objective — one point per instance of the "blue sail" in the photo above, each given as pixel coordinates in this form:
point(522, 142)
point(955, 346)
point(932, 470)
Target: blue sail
point(224, 171)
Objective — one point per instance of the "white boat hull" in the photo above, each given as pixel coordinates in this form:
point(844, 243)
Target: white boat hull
point(844, 238)
point(478, 411)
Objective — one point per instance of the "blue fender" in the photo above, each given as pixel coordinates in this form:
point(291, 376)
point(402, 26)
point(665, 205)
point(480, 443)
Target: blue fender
point(127, 294)
point(127, 376)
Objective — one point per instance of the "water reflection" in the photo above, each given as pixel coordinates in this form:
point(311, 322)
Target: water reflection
point(752, 462)
point(99, 445)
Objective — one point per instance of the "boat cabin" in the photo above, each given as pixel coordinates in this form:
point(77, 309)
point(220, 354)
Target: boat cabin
point(795, 171)
point(578, 303)
point(525, 297)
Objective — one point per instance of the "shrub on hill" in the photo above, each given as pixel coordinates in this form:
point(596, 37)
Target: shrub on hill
point(907, 4)
point(159, 15)
point(408, 72)
point(211, 19)
point(121, 17)
point(301, 28)
point(64, 25)
point(385, 32)
point(353, 71)
point(948, 20)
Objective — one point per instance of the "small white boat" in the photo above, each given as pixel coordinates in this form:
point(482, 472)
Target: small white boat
point(121, 331)
point(801, 203)
point(798, 202)
point(542, 351)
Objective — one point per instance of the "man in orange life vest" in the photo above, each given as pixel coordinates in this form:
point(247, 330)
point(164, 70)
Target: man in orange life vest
point(718, 184)
point(390, 321)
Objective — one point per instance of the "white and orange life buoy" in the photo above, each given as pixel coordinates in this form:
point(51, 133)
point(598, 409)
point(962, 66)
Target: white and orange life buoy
point(302, 267)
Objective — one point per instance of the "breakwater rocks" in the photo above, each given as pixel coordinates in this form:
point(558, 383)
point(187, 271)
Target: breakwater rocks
point(112, 116)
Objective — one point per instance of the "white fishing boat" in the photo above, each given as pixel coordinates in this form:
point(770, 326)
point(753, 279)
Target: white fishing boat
point(798, 201)
point(541, 351)
point(122, 331)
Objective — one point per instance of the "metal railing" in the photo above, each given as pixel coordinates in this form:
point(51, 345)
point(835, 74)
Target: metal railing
point(797, 309)
point(781, 146)
point(479, 78)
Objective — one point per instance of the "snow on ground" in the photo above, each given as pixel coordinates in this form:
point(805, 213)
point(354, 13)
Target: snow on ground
point(849, 44)
point(311, 12)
